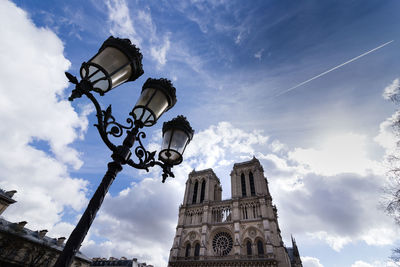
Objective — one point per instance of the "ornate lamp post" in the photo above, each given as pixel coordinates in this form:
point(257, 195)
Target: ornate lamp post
point(117, 62)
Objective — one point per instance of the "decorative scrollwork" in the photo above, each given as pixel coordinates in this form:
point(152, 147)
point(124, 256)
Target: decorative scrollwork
point(117, 129)
point(106, 125)
point(146, 158)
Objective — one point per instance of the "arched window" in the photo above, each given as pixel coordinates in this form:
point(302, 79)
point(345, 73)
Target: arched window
point(260, 247)
point(203, 191)
point(187, 252)
point(243, 185)
point(196, 185)
point(249, 250)
point(252, 188)
point(197, 250)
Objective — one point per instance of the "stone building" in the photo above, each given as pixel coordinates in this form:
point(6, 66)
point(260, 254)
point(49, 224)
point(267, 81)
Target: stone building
point(122, 262)
point(241, 231)
point(20, 246)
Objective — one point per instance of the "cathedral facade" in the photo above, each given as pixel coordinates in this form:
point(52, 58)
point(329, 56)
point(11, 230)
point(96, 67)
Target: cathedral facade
point(241, 231)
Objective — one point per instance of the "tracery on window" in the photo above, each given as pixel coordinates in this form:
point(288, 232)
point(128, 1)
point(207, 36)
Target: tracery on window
point(194, 216)
point(250, 210)
point(222, 243)
point(221, 214)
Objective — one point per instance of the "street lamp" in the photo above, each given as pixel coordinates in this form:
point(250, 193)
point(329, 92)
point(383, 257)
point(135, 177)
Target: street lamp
point(118, 61)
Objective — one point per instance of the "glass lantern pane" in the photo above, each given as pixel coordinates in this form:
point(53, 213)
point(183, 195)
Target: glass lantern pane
point(92, 69)
point(158, 104)
point(142, 114)
point(115, 63)
point(149, 107)
point(178, 141)
point(145, 97)
point(83, 72)
point(172, 149)
point(121, 76)
point(95, 76)
point(166, 140)
point(102, 85)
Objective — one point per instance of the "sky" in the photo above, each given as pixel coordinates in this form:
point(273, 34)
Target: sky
point(304, 86)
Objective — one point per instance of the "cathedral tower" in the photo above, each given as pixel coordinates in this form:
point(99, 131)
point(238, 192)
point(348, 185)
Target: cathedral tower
point(241, 231)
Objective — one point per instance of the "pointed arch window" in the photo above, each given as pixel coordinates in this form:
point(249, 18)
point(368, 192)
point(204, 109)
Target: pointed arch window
point(243, 180)
point(187, 252)
point(252, 188)
point(248, 247)
point(197, 250)
point(260, 247)
point(203, 191)
point(196, 185)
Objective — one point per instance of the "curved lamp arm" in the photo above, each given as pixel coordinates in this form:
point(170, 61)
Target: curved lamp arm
point(104, 117)
point(145, 166)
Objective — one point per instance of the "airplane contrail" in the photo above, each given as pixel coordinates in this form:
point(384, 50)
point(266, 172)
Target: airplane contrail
point(334, 68)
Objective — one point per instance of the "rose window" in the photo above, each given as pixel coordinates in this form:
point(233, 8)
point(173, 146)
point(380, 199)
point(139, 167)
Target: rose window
point(222, 243)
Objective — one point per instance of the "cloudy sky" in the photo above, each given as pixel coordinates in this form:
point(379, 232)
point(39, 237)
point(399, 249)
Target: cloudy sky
point(298, 84)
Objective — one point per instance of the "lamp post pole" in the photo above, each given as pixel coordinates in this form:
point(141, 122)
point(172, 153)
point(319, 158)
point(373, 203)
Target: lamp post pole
point(119, 61)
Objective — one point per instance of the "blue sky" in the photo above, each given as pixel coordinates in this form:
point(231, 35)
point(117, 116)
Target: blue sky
point(323, 144)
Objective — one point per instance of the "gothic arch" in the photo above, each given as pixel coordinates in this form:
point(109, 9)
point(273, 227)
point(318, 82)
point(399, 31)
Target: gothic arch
point(251, 233)
point(260, 246)
point(195, 191)
point(244, 247)
point(252, 186)
point(203, 190)
point(243, 184)
point(196, 252)
point(187, 249)
point(191, 236)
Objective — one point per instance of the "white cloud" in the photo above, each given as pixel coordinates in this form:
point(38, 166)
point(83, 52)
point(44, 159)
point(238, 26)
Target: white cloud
point(37, 127)
point(139, 28)
point(311, 262)
point(392, 91)
point(160, 53)
point(334, 241)
point(387, 137)
point(336, 209)
point(361, 264)
point(277, 146)
point(258, 55)
point(121, 24)
point(337, 190)
point(212, 145)
point(341, 153)
point(152, 221)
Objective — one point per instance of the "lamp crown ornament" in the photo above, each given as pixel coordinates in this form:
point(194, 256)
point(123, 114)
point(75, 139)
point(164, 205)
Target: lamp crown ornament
point(165, 86)
point(130, 50)
point(180, 122)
